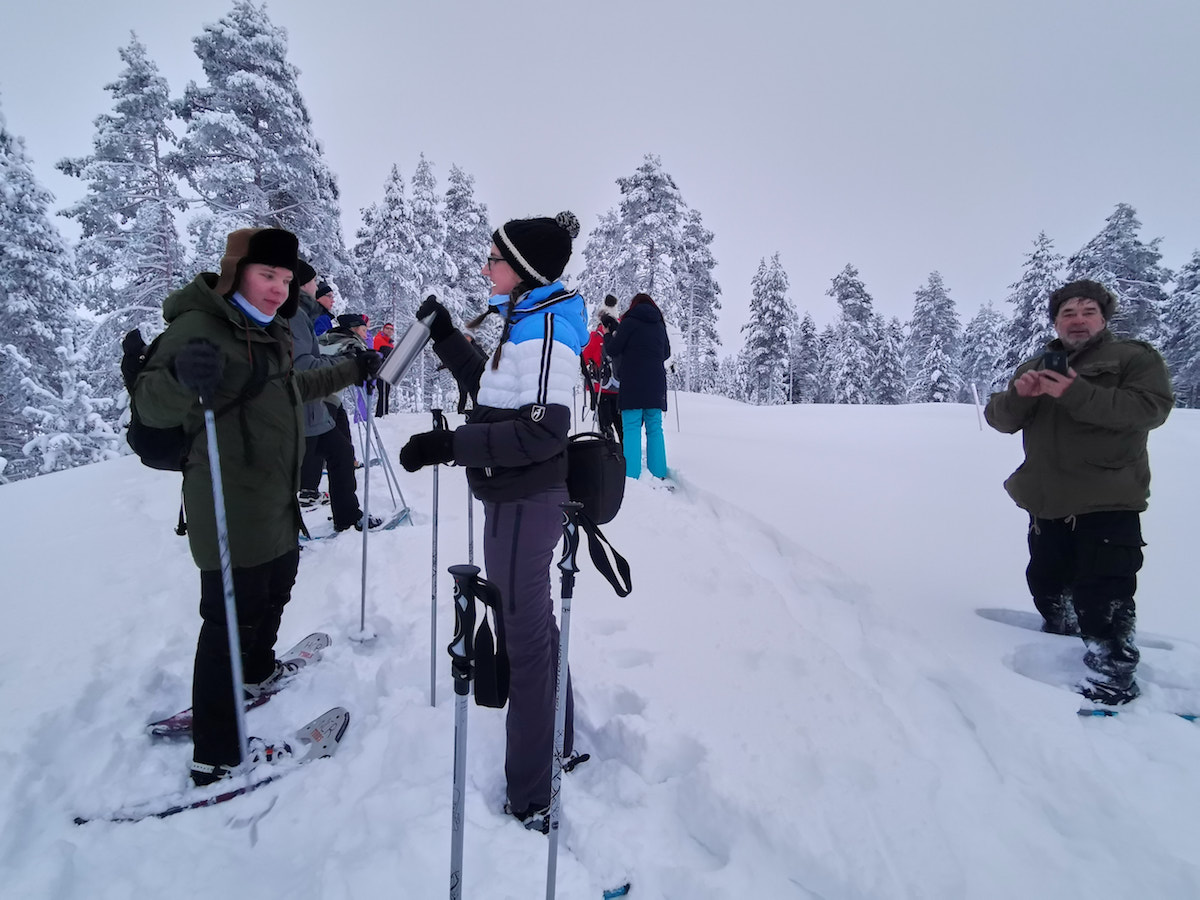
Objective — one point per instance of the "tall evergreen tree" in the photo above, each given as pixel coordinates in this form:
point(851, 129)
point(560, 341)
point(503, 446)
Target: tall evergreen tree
point(468, 236)
point(887, 364)
point(983, 355)
point(1120, 260)
point(804, 362)
point(699, 303)
point(249, 150)
point(855, 339)
point(769, 333)
point(129, 252)
point(37, 299)
point(651, 215)
point(1182, 325)
point(932, 348)
point(1029, 328)
point(599, 275)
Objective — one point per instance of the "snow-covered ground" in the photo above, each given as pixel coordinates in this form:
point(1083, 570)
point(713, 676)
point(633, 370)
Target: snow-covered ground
point(798, 699)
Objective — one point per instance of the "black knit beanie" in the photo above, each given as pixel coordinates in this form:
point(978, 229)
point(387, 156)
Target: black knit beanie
point(304, 273)
point(1085, 290)
point(323, 288)
point(537, 249)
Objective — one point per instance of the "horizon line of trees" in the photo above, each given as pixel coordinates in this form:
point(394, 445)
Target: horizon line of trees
point(168, 177)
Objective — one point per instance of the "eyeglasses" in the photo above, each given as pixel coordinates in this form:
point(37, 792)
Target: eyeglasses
point(491, 260)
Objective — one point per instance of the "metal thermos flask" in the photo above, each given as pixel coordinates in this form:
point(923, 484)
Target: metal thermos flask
point(407, 349)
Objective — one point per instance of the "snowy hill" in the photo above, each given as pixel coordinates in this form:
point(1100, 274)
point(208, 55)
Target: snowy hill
point(797, 700)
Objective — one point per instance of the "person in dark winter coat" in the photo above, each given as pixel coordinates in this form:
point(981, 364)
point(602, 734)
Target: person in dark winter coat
point(513, 446)
point(326, 445)
point(383, 345)
point(227, 336)
point(1086, 478)
point(640, 347)
point(602, 381)
point(324, 321)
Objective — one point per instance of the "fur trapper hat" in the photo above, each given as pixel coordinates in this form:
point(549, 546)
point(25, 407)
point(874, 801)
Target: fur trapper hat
point(268, 247)
point(1086, 290)
point(537, 249)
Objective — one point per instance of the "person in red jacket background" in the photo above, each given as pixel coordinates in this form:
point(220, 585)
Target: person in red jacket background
point(383, 345)
point(603, 384)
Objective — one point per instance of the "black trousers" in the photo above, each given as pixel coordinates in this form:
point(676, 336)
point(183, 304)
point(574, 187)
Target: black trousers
point(1094, 558)
point(608, 413)
point(260, 594)
point(333, 450)
point(384, 397)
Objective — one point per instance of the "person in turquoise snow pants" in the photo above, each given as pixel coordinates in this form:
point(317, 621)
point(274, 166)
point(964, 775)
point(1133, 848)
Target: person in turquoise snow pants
point(640, 347)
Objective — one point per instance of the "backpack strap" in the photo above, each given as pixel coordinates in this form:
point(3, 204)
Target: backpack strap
point(599, 549)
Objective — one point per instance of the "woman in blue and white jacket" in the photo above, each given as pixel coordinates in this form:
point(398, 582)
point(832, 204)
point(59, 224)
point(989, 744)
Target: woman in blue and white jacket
point(514, 448)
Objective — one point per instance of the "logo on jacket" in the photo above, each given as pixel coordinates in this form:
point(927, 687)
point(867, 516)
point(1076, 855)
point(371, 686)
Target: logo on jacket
point(537, 413)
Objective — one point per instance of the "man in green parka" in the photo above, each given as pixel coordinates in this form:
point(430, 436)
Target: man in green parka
point(231, 330)
point(1086, 478)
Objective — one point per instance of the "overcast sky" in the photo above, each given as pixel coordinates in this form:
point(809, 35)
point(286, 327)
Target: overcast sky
point(901, 137)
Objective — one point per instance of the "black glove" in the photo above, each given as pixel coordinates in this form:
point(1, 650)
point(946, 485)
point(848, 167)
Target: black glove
point(198, 367)
point(427, 449)
point(441, 327)
point(368, 365)
point(608, 321)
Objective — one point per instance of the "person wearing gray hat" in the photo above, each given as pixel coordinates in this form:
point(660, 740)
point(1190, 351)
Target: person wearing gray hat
point(1084, 409)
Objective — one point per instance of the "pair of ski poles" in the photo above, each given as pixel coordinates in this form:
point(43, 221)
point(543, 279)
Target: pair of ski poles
point(468, 586)
point(440, 424)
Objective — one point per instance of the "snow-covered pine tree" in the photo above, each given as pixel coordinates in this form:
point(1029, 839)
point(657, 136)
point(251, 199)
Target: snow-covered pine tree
point(435, 270)
point(826, 341)
point(37, 299)
point(1181, 323)
point(1029, 328)
point(804, 362)
point(385, 252)
point(249, 150)
point(937, 382)
point(982, 355)
point(70, 419)
point(468, 236)
point(934, 316)
point(129, 252)
point(599, 275)
point(651, 215)
point(769, 333)
point(1118, 259)
point(699, 303)
point(855, 339)
point(887, 364)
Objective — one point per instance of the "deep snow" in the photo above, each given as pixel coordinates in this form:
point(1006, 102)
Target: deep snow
point(798, 699)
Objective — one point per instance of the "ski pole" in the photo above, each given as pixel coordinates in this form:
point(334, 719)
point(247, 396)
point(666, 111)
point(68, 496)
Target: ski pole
point(978, 407)
point(470, 525)
point(231, 618)
point(439, 423)
point(363, 634)
point(568, 566)
point(462, 660)
point(677, 409)
point(390, 472)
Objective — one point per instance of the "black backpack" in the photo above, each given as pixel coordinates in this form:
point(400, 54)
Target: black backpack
point(159, 448)
point(596, 479)
point(596, 475)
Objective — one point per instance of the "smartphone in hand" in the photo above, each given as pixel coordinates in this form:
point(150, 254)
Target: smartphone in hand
point(1055, 361)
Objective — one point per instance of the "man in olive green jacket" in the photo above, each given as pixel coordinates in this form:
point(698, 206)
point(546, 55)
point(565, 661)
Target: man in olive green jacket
point(230, 330)
point(1086, 478)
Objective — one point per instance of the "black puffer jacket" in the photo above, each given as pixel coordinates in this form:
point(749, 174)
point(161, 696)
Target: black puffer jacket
point(639, 347)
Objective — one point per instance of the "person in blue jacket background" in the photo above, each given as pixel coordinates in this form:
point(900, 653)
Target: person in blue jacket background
point(639, 346)
point(514, 447)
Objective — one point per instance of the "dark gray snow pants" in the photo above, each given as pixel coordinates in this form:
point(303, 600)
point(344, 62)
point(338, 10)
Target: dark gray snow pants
point(519, 543)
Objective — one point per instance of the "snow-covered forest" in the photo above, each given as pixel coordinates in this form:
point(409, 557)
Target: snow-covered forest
point(170, 172)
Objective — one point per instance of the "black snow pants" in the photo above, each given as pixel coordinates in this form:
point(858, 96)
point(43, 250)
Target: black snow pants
point(519, 543)
point(335, 451)
point(1092, 561)
point(260, 592)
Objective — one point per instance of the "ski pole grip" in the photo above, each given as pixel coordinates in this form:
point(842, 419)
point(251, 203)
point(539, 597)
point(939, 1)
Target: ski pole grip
point(439, 420)
point(462, 649)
